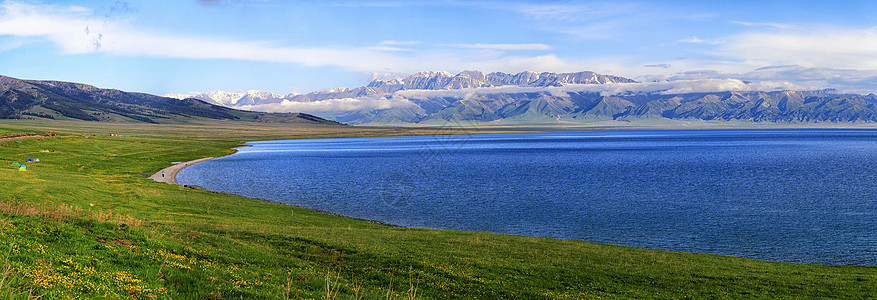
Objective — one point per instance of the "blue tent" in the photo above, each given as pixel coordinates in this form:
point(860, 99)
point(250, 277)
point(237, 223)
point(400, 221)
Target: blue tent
point(30, 160)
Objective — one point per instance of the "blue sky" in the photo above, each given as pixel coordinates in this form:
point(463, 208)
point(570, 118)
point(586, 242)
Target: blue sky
point(300, 46)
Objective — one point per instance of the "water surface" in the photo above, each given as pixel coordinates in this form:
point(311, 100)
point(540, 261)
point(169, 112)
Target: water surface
point(783, 195)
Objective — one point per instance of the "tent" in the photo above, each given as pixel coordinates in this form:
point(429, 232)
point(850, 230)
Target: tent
point(16, 164)
point(30, 160)
point(22, 168)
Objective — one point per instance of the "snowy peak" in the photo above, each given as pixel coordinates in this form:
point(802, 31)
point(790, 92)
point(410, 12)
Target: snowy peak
point(224, 98)
point(429, 80)
point(426, 80)
point(547, 79)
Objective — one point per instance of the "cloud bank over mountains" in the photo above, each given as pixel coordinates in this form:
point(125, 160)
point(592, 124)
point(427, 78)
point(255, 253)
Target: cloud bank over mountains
point(367, 103)
point(797, 77)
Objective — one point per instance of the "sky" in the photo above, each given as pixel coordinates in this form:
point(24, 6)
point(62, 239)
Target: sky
point(182, 46)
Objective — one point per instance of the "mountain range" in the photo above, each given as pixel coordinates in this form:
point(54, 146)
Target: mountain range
point(525, 98)
point(66, 100)
point(427, 80)
point(550, 98)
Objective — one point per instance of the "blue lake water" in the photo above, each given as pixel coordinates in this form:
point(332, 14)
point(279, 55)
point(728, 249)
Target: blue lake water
point(802, 195)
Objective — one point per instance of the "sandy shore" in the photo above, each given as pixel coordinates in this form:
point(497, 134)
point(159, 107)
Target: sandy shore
point(169, 174)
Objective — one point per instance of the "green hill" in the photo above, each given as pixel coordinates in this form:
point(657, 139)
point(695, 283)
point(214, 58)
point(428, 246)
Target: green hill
point(32, 99)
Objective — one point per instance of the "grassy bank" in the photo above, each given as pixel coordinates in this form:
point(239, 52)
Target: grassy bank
point(84, 223)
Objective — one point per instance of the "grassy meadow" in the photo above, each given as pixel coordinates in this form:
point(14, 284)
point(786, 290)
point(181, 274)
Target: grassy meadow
point(85, 223)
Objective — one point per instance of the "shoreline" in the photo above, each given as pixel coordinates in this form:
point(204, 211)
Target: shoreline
point(169, 175)
point(174, 169)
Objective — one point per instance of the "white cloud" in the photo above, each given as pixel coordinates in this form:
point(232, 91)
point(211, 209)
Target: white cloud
point(391, 49)
point(398, 43)
point(852, 48)
point(800, 77)
point(506, 47)
point(590, 20)
point(663, 66)
point(846, 80)
point(331, 105)
point(771, 25)
point(844, 58)
point(236, 3)
point(697, 40)
point(582, 12)
point(73, 31)
point(693, 40)
point(66, 26)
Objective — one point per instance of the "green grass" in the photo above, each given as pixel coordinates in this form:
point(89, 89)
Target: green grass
point(82, 223)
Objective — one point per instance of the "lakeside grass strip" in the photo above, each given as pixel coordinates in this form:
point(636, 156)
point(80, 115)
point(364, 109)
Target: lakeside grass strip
point(192, 244)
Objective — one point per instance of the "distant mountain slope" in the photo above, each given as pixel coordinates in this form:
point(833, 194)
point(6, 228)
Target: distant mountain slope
point(543, 107)
point(549, 98)
point(231, 98)
point(67, 100)
point(419, 81)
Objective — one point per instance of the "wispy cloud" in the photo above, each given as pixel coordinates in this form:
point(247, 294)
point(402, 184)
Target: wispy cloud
point(236, 3)
point(506, 47)
point(853, 48)
point(72, 33)
point(588, 20)
point(332, 105)
point(391, 49)
point(693, 40)
point(697, 40)
point(845, 80)
point(663, 66)
point(398, 43)
point(578, 12)
point(768, 24)
point(72, 30)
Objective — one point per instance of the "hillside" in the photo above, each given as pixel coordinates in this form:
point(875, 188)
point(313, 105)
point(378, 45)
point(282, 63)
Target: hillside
point(20, 99)
point(581, 107)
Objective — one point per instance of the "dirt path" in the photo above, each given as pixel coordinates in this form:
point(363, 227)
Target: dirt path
point(169, 174)
point(20, 137)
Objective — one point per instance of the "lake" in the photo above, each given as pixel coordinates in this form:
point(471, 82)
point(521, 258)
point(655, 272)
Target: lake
point(796, 195)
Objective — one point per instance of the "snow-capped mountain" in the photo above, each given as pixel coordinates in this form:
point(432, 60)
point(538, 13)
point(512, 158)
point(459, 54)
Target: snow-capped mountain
point(543, 98)
point(427, 80)
point(474, 79)
point(232, 99)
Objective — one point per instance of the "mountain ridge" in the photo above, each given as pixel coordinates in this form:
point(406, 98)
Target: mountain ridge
point(69, 100)
point(426, 80)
